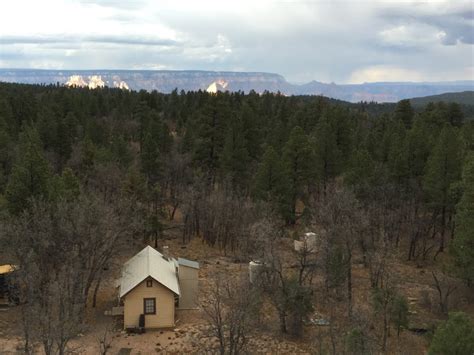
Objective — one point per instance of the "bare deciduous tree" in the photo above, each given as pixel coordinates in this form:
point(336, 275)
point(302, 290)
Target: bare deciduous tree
point(286, 276)
point(62, 249)
point(232, 313)
point(445, 288)
point(221, 218)
point(105, 340)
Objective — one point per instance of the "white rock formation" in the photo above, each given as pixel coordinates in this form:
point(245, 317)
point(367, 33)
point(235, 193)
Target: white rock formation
point(219, 85)
point(95, 81)
point(76, 80)
point(121, 85)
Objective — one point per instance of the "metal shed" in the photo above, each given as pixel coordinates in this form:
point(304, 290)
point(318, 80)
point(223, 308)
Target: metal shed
point(188, 283)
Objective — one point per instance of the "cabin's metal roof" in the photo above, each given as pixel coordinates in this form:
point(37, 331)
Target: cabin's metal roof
point(189, 263)
point(148, 263)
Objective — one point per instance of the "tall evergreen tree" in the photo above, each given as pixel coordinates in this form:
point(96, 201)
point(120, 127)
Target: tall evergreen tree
point(210, 137)
point(327, 153)
point(6, 116)
point(5, 158)
point(235, 158)
point(442, 170)
point(161, 133)
point(419, 142)
point(298, 164)
point(455, 114)
point(455, 336)
point(150, 158)
point(270, 179)
point(30, 175)
point(64, 137)
point(404, 112)
point(142, 115)
point(462, 246)
point(397, 158)
point(360, 173)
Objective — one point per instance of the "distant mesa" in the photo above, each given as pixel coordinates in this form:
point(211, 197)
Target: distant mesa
point(165, 81)
point(94, 82)
point(219, 85)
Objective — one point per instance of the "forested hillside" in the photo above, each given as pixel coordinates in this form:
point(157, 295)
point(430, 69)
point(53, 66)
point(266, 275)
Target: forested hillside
point(235, 169)
point(465, 99)
point(462, 98)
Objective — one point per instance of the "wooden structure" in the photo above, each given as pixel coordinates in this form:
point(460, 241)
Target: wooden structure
point(152, 286)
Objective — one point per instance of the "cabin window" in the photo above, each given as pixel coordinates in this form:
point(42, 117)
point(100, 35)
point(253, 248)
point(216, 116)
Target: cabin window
point(149, 306)
point(149, 283)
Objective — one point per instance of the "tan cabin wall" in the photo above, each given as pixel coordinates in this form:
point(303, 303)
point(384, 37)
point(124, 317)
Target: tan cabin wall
point(188, 285)
point(133, 306)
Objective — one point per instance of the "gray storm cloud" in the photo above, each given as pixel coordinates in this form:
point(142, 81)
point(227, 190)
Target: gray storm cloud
point(341, 41)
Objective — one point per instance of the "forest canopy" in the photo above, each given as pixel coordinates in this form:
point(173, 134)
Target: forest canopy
point(83, 172)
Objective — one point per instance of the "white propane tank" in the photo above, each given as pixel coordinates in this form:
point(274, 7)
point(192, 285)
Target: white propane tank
point(255, 268)
point(311, 240)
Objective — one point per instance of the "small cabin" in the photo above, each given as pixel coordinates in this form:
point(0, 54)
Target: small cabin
point(153, 287)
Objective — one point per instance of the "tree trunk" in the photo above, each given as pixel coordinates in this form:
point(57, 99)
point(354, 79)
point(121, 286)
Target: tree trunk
point(385, 331)
point(282, 323)
point(96, 290)
point(443, 228)
point(349, 284)
point(173, 211)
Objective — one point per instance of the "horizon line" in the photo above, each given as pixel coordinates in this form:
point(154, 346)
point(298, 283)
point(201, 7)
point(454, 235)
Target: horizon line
point(240, 72)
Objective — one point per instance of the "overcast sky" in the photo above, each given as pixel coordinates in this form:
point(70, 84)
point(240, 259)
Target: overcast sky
point(344, 41)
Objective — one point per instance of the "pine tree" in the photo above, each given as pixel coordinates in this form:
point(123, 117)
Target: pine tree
point(270, 178)
point(30, 175)
point(65, 186)
point(210, 138)
point(5, 145)
point(71, 185)
point(47, 123)
point(235, 158)
point(419, 142)
point(360, 173)
point(142, 115)
point(455, 336)
point(327, 152)
point(462, 246)
point(150, 158)
point(120, 151)
point(252, 132)
point(455, 114)
point(298, 164)
point(442, 170)
point(404, 112)
point(6, 116)
point(397, 159)
point(88, 156)
point(64, 138)
point(400, 312)
point(434, 117)
point(161, 133)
